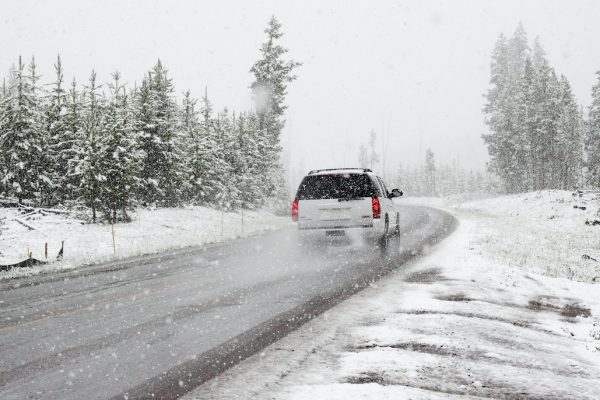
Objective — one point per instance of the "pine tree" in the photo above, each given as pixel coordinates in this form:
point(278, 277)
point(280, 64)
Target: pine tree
point(45, 163)
point(271, 76)
point(22, 138)
point(119, 158)
point(253, 139)
point(61, 142)
point(163, 168)
point(4, 109)
point(88, 168)
point(499, 111)
point(197, 149)
point(546, 99)
point(592, 139)
point(245, 167)
point(211, 177)
point(430, 173)
point(518, 50)
point(228, 197)
point(363, 156)
point(73, 137)
point(147, 144)
point(373, 156)
point(570, 136)
point(523, 135)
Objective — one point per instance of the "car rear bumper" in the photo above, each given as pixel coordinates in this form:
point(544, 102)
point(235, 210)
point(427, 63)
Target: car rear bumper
point(372, 231)
point(312, 228)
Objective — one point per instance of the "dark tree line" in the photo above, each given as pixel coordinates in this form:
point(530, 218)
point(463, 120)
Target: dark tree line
point(111, 148)
point(537, 129)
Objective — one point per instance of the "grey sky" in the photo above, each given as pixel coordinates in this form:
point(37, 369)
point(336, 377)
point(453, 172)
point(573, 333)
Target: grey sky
point(414, 71)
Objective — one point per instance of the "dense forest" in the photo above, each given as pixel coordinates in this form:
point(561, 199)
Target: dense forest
point(539, 138)
point(110, 148)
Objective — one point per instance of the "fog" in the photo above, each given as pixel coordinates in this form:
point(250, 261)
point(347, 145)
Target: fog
point(413, 71)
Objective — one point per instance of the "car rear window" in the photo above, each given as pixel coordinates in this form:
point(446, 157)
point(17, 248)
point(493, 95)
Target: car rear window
point(335, 186)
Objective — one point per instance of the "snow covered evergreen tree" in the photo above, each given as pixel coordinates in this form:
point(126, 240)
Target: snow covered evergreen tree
point(61, 141)
point(373, 156)
point(45, 168)
point(228, 197)
point(246, 167)
point(163, 167)
point(592, 138)
point(23, 139)
point(211, 177)
point(544, 132)
point(272, 73)
point(88, 168)
point(367, 156)
point(146, 142)
point(430, 173)
point(197, 147)
point(524, 124)
point(4, 108)
point(363, 156)
point(73, 135)
point(119, 159)
point(499, 110)
point(570, 139)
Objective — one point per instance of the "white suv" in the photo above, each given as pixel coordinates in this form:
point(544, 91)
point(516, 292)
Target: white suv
point(346, 201)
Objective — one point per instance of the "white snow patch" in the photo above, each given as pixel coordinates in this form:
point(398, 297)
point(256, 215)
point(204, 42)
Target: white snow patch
point(543, 232)
point(151, 231)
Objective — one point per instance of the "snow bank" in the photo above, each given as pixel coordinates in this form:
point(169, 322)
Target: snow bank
point(543, 232)
point(151, 231)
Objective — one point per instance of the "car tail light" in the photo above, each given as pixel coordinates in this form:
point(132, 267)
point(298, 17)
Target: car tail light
point(376, 208)
point(295, 211)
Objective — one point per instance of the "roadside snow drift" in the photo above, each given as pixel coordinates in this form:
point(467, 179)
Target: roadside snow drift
point(151, 231)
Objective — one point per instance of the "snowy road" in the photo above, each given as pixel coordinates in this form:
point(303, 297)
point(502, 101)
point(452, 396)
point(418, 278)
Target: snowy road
point(164, 324)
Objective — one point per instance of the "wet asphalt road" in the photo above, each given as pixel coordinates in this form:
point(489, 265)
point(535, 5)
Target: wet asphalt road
point(158, 326)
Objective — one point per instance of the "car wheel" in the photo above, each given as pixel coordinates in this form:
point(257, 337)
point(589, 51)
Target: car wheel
point(397, 229)
point(385, 239)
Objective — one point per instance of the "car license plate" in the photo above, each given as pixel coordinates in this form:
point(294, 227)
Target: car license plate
point(329, 215)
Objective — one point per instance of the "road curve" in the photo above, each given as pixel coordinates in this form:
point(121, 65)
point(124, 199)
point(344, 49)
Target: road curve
point(159, 326)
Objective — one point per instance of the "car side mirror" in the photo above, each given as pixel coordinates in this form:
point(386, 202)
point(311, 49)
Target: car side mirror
point(396, 193)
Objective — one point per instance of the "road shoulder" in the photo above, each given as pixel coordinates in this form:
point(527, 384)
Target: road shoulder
point(152, 233)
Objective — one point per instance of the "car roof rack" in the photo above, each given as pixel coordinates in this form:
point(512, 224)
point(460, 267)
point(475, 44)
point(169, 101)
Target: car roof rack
point(314, 171)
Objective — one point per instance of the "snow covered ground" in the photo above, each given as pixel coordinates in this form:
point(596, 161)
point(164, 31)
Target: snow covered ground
point(151, 231)
point(474, 319)
point(543, 232)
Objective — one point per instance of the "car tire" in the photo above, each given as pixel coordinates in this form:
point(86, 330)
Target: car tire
point(384, 241)
point(397, 229)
